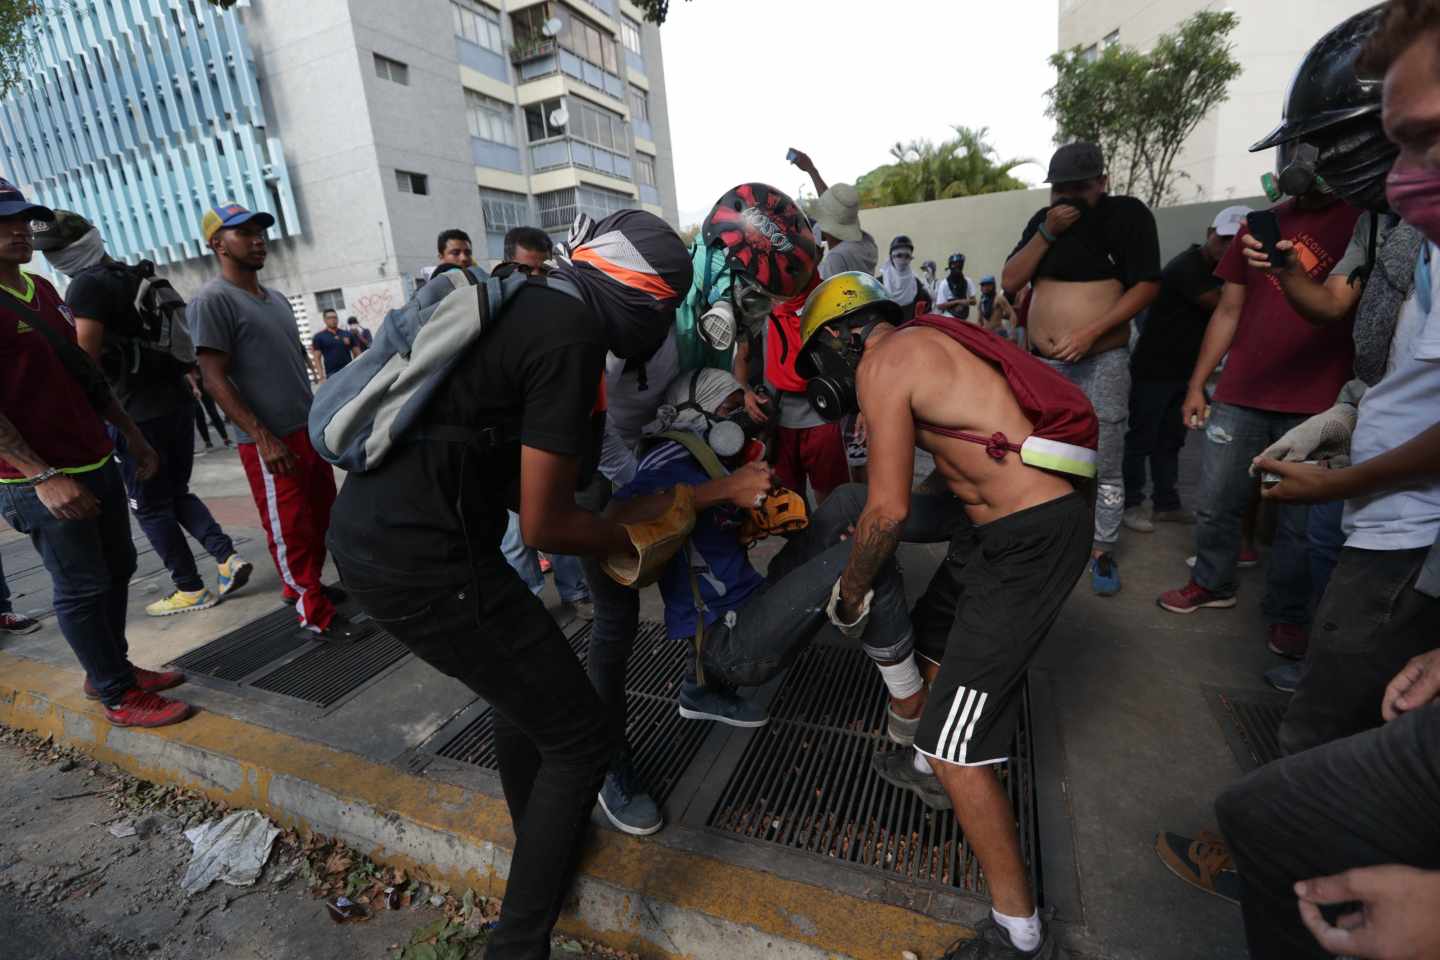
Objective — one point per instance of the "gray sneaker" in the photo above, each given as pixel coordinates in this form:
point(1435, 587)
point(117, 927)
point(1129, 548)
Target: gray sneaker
point(720, 704)
point(626, 804)
point(1136, 519)
point(897, 768)
point(992, 942)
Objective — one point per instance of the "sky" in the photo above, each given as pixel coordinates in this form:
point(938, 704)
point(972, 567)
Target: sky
point(843, 80)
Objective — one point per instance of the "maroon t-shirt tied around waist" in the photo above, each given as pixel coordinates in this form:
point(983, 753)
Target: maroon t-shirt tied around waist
point(1279, 361)
point(37, 394)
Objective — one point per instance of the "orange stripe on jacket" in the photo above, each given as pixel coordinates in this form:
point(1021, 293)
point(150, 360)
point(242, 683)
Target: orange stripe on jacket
point(648, 282)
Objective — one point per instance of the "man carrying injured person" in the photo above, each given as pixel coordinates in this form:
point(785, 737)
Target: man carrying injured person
point(746, 627)
point(1015, 443)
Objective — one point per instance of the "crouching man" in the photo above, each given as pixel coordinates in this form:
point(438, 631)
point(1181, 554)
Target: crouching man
point(417, 538)
point(1012, 439)
point(744, 627)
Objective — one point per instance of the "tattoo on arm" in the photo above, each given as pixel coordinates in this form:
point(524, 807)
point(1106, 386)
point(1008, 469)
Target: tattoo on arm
point(14, 450)
point(875, 542)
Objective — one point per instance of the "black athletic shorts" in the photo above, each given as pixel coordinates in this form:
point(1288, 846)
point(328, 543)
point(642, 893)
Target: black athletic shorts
point(988, 607)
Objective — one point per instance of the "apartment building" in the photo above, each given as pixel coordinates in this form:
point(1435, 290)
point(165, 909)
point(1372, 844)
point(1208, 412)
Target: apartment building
point(364, 126)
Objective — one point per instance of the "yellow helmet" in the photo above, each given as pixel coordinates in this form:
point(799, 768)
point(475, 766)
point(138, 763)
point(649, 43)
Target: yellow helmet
point(839, 297)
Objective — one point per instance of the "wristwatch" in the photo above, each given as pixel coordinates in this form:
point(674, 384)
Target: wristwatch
point(43, 475)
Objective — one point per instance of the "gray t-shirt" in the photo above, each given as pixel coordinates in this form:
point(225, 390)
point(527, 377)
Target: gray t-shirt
point(1360, 242)
point(267, 361)
point(796, 413)
point(860, 255)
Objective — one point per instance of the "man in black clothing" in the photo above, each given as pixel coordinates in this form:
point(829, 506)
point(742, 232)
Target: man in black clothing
point(151, 383)
point(417, 539)
point(359, 334)
point(1160, 368)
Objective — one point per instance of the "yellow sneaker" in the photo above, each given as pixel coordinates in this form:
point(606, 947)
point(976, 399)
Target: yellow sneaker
point(183, 601)
point(233, 574)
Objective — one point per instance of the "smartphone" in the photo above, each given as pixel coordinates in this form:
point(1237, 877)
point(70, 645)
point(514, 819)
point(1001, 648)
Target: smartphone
point(1266, 228)
point(790, 155)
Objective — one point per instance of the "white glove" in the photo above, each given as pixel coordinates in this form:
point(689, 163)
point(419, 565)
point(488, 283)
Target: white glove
point(851, 631)
point(1325, 436)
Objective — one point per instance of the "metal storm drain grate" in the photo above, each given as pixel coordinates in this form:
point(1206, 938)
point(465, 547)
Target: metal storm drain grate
point(662, 743)
point(1250, 720)
point(330, 672)
point(241, 652)
point(272, 659)
point(805, 782)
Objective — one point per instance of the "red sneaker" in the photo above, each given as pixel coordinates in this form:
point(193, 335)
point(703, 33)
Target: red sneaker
point(1190, 598)
point(140, 709)
point(150, 681)
point(1288, 640)
point(545, 565)
point(1247, 559)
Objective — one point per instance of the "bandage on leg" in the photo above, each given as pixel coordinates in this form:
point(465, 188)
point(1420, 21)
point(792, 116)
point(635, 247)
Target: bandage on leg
point(901, 679)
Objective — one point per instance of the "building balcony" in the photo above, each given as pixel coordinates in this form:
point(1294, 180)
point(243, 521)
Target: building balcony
point(522, 53)
point(543, 59)
point(568, 152)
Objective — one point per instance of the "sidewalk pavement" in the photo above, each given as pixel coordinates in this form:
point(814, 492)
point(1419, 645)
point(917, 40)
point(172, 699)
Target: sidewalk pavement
point(1139, 752)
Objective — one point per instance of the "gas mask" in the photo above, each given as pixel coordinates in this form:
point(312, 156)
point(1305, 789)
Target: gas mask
point(830, 376)
point(742, 310)
point(1352, 164)
point(733, 437)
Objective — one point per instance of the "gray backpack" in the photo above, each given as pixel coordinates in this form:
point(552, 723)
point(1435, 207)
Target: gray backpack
point(375, 402)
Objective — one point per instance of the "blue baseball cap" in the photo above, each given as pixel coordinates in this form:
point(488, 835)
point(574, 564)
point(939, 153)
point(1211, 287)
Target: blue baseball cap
point(988, 278)
point(14, 204)
point(231, 215)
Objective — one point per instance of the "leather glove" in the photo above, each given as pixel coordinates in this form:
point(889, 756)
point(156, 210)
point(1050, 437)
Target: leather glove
point(782, 512)
point(655, 541)
point(851, 631)
point(1325, 436)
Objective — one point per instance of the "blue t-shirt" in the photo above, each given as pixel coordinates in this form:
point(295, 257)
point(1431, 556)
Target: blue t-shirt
point(334, 349)
point(722, 567)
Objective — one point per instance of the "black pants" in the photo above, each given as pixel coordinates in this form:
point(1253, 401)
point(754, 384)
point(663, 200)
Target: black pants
point(1363, 801)
point(551, 738)
point(1369, 624)
point(204, 407)
point(1156, 434)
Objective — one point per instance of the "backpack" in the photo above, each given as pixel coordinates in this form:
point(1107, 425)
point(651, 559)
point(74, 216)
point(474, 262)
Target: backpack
point(377, 399)
point(154, 341)
point(1066, 432)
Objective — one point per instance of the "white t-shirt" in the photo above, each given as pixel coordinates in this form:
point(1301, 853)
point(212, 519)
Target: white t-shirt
point(1402, 405)
point(945, 293)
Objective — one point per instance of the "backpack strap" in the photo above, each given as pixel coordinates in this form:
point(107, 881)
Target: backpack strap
point(698, 449)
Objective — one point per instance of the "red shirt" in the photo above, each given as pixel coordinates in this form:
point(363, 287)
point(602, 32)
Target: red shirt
point(783, 344)
point(37, 394)
point(1278, 360)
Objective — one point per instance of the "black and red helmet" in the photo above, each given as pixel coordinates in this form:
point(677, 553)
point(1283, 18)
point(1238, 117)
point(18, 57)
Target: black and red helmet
point(766, 237)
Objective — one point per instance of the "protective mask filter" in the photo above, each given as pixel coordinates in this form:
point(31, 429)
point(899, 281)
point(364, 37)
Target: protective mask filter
point(717, 326)
point(831, 391)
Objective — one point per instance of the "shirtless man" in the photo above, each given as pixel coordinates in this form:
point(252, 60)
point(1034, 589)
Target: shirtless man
point(1094, 261)
point(1007, 573)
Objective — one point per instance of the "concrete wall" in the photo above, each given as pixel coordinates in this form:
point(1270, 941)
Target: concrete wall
point(986, 228)
point(1269, 43)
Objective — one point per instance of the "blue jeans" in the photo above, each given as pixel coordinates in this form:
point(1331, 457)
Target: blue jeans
point(90, 562)
point(164, 504)
point(1233, 437)
point(1155, 434)
point(569, 579)
point(1326, 540)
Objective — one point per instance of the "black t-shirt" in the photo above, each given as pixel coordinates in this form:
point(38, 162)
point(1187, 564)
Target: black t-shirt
point(1114, 240)
point(407, 521)
point(334, 349)
point(1170, 339)
point(107, 295)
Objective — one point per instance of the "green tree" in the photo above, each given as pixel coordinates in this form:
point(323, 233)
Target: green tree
point(963, 166)
point(1141, 107)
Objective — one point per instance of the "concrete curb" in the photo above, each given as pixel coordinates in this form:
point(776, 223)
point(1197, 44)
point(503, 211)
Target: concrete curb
point(631, 894)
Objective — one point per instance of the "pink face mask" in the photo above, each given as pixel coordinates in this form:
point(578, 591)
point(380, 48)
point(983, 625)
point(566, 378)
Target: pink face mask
point(1414, 192)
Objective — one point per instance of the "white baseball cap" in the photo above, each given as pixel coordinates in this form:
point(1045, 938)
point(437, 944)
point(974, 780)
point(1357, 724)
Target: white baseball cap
point(1227, 222)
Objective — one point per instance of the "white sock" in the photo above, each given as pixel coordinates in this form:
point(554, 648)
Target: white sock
point(902, 679)
point(1024, 931)
point(922, 765)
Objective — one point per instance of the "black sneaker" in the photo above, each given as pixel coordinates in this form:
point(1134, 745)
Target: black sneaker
point(897, 768)
point(721, 704)
point(992, 942)
point(333, 592)
point(627, 805)
point(341, 630)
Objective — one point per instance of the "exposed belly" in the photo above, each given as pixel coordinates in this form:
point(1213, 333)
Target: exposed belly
point(1061, 307)
point(989, 488)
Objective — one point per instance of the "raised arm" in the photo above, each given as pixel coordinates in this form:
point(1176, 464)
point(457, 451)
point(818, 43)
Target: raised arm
point(803, 161)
